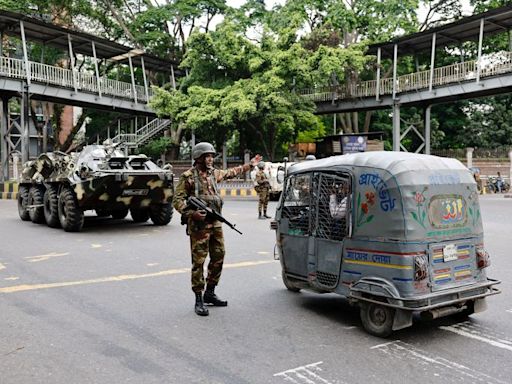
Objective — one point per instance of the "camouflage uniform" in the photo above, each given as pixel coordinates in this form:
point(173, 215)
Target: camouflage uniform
point(263, 188)
point(205, 237)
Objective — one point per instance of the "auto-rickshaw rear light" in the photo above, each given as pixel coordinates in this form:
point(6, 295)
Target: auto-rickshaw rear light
point(420, 267)
point(273, 225)
point(482, 258)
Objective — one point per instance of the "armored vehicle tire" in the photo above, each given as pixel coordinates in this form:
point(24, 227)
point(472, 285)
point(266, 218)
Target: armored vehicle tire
point(35, 197)
point(160, 214)
point(139, 215)
point(119, 213)
point(71, 216)
point(22, 203)
point(288, 284)
point(377, 319)
point(51, 207)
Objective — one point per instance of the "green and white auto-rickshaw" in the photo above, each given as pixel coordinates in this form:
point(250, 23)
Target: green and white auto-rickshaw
point(396, 233)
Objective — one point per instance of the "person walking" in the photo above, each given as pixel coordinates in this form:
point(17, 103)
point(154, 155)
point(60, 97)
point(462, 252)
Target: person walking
point(262, 188)
point(206, 236)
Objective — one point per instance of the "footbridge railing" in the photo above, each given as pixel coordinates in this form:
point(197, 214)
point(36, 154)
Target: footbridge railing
point(71, 79)
point(491, 65)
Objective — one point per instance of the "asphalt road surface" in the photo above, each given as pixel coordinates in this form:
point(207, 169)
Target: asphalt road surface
point(113, 304)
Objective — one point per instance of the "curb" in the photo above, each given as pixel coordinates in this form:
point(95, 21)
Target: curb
point(9, 191)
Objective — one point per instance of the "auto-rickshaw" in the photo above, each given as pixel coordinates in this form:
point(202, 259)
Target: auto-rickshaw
point(396, 233)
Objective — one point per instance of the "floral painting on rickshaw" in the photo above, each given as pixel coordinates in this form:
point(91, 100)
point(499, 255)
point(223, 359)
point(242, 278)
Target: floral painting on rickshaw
point(421, 213)
point(363, 215)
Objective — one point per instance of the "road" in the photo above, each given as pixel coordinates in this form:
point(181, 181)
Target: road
point(113, 304)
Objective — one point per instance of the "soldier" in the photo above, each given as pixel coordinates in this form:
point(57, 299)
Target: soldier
point(262, 188)
point(205, 235)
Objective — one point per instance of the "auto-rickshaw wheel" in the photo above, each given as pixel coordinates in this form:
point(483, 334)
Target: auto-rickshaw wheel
point(288, 284)
point(377, 319)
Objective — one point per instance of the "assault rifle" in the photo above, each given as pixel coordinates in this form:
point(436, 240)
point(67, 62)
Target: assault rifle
point(198, 204)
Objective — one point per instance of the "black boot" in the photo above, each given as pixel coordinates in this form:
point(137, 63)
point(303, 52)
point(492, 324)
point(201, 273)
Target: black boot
point(200, 309)
point(265, 215)
point(259, 216)
point(211, 298)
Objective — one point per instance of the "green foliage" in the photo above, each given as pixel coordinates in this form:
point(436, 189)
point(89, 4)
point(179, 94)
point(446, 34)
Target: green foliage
point(155, 148)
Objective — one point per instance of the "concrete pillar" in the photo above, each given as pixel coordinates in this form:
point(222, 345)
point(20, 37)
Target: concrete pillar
point(396, 127)
point(4, 147)
point(469, 157)
point(25, 124)
point(427, 130)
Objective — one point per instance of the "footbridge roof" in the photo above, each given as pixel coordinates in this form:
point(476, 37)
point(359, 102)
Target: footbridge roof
point(57, 36)
point(496, 20)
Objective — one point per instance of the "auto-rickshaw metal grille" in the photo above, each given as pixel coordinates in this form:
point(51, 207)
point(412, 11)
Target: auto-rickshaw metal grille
point(330, 214)
point(327, 279)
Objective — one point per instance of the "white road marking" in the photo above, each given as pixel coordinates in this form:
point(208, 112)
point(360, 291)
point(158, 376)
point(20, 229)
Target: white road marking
point(263, 253)
point(307, 374)
point(2, 266)
point(509, 310)
point(111, 279)
point(472, 331)
point(35, 259)
point(437, 365)
point(12, 278)
point(152, 264)
point(96, 245)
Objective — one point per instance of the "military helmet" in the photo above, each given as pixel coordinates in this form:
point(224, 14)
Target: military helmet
point(202, 148)
point(261, 165)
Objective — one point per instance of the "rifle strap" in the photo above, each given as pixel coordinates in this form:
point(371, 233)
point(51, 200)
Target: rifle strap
point(212, 181)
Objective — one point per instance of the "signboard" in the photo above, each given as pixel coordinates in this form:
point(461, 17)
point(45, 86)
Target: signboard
point(353, 144)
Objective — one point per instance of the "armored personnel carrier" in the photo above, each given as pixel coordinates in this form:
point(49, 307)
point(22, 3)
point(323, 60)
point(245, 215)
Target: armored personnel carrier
point(57, 187)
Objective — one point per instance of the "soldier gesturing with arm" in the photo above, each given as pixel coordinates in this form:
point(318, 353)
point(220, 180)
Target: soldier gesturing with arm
point(206, 237)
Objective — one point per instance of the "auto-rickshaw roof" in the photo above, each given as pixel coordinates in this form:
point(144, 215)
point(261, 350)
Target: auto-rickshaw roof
point(394, 163)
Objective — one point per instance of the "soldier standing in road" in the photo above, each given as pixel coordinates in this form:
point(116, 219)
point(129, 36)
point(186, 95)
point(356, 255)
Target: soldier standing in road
point(263, 189)
point(205, 235)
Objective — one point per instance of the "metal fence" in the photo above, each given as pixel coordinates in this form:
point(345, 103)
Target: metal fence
point(490, 65)
point(71, 79)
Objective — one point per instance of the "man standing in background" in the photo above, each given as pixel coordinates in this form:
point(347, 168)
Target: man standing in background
point(262, 188)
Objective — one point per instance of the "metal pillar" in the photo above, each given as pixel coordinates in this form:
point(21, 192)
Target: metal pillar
point(96, 69)
point(427, 130)
point(145, 79)
point(72, 62)
point(479, 60)
point(432, 62)
point(25, 53)
point(133, 79)
point(24, 119)
point(395, 58)
point(4, 146)
point(396, 127)
point(377, 86)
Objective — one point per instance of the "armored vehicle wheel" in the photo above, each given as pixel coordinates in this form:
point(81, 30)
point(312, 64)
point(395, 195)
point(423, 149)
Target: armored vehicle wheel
point(288, 284)
point(160, 214)
point(51, 207)
point(119, 213)
point(139, 215)
point(22, 203)
point(377, 319)
point(35, 197)
point(71, 216)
